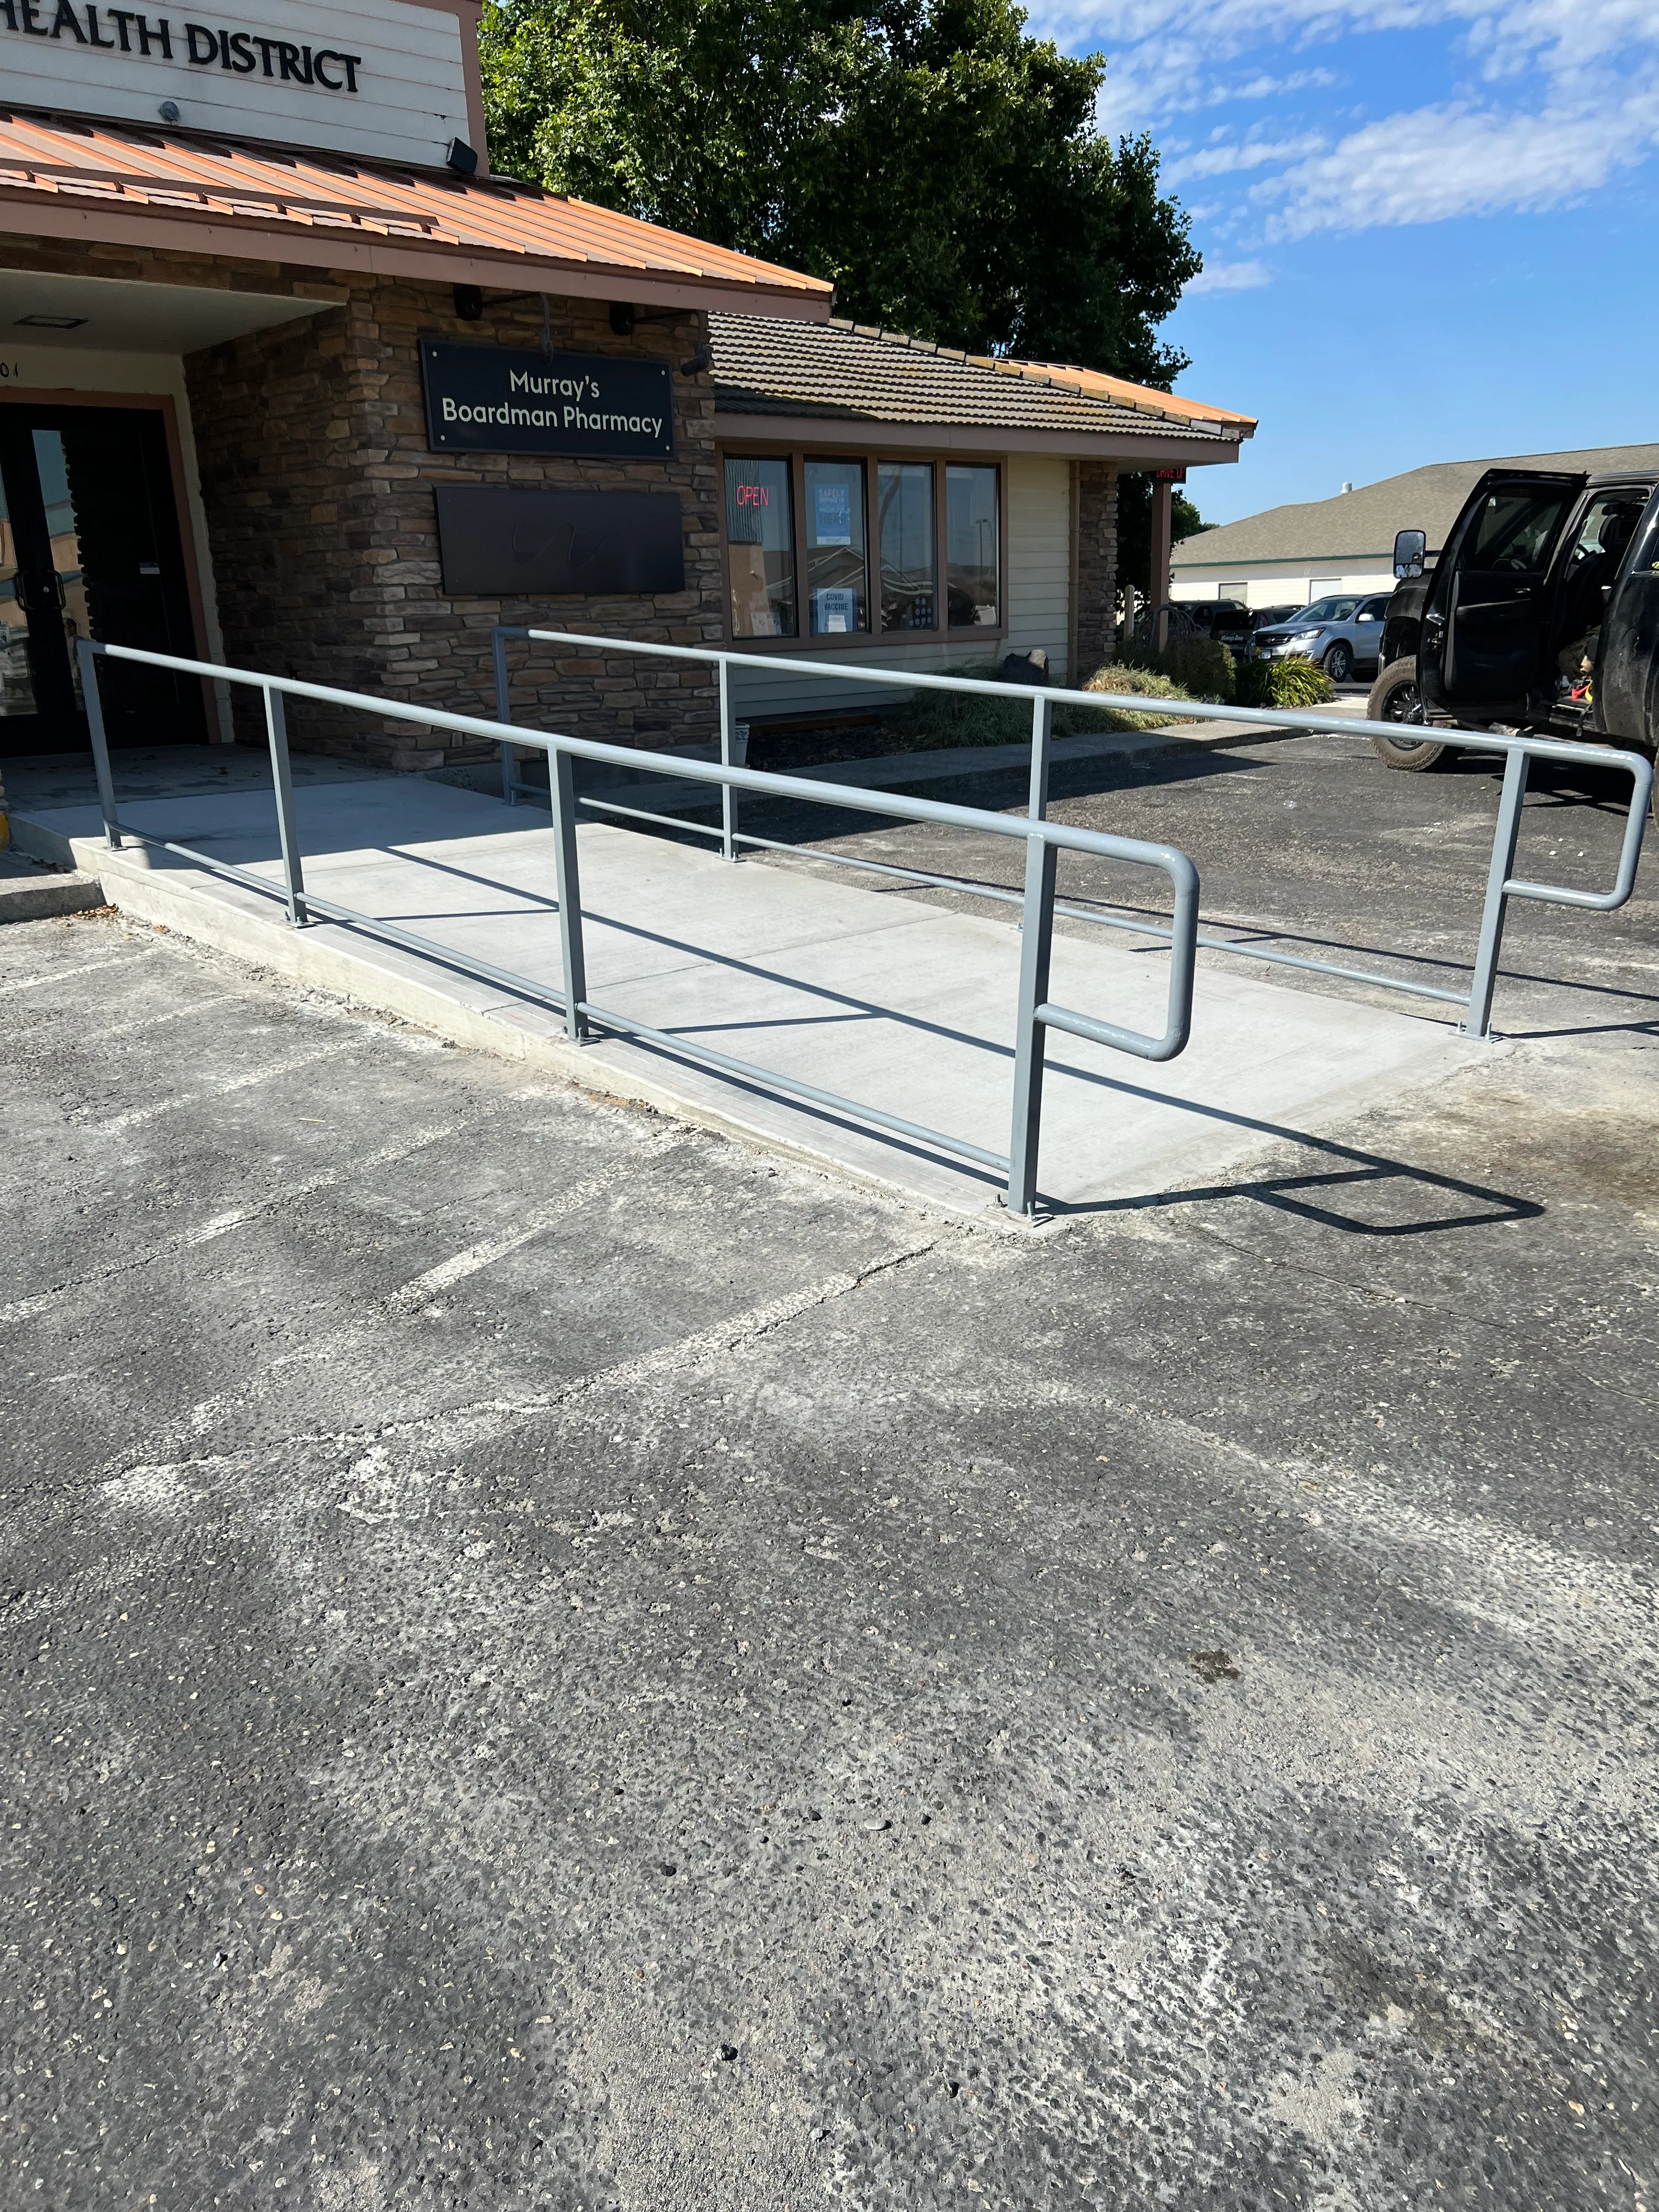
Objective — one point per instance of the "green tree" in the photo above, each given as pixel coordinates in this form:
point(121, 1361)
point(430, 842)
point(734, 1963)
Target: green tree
point(934, 162)
point(1135, 529)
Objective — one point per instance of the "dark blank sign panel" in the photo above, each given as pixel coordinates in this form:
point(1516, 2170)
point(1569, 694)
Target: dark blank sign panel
point(500, 544)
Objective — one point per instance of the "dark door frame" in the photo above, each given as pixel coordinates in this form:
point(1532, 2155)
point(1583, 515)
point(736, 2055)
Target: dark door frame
point(1525, 596)
point(164, 405)
point(36, 591)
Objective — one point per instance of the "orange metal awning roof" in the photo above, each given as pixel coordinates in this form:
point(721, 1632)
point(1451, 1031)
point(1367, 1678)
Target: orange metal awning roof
point(67, 179)
point(1099, 386)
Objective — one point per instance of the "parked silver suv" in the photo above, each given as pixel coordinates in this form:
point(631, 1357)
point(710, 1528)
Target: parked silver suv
point(1341, 633)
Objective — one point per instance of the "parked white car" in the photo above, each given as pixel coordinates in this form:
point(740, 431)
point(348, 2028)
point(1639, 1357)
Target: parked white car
point(1342, 634)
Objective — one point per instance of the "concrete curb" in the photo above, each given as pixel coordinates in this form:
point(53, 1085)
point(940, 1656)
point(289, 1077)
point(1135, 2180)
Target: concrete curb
point(29, 892)
point(894, 771)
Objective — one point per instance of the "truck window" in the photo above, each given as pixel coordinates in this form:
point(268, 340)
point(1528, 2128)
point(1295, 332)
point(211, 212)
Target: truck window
point(1515, 529)
point(1594, 537)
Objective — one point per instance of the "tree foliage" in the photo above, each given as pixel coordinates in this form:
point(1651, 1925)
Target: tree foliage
point(1135, 529)
point(936, 163)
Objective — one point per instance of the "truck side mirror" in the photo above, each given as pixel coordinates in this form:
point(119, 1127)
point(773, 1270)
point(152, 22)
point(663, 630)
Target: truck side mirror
point(1410, 549)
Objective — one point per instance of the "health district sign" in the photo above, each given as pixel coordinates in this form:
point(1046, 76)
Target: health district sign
point(507, 399)
point(380, 78)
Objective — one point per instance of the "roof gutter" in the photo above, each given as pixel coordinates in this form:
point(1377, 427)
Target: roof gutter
point(1134, 450)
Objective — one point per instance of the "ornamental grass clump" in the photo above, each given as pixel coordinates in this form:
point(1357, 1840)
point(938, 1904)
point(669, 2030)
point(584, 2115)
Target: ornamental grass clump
point(1296, 681)
point(933, 721)
point(1125, 680)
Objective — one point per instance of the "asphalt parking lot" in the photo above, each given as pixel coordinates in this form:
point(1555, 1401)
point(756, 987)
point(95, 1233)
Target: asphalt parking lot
point(558, 1661)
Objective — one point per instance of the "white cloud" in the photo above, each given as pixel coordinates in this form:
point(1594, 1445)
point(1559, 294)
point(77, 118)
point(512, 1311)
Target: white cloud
point(1440, 163)
point(1276, 87)
point(1229, 277)
point(1590, 108)
point(1226, 159)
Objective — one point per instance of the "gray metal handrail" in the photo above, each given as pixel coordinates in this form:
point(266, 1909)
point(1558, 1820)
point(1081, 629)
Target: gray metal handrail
point(1502, 885)
point(1035, 1014)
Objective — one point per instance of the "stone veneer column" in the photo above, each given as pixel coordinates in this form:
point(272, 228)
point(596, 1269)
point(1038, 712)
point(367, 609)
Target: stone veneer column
point(1096, 565)
point(317, 486)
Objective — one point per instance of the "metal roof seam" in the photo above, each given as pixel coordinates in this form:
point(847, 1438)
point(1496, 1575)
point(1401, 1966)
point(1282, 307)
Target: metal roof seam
point(272, 187)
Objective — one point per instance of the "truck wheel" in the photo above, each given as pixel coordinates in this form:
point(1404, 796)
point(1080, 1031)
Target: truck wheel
point(1394, 698)
point(1339, 663)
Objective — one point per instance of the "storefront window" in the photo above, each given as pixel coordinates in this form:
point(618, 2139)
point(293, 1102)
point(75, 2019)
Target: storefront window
point(972, 553)
point(836, 582)
point(937, 555)
point(904, 506)
point(759, 534)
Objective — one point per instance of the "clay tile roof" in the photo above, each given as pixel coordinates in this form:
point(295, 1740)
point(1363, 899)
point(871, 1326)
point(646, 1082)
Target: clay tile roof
point(850, 372)
point(102, 181)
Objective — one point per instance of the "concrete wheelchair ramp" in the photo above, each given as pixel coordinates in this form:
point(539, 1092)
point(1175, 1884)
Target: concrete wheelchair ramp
point(882, 997)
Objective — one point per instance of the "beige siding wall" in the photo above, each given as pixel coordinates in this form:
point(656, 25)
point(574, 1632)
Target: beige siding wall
point(1038, 510)
point(1040, 557)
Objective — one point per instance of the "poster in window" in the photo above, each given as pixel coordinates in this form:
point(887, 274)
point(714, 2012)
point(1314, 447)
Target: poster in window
point(832, 514)
point(834, 609)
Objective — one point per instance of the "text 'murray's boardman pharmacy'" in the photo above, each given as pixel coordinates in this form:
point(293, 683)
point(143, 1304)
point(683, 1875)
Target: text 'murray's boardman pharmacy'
point(507, 399)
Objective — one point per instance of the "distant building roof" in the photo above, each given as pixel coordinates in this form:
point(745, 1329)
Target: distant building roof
point(847, 372)
point(1360, 525)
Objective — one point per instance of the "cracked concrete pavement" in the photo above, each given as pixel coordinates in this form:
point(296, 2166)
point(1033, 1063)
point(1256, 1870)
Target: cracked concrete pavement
point(559, 1662)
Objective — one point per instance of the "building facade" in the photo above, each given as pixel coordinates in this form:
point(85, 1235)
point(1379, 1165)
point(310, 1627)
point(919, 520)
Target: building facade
point(289, 381)
point(904, 504)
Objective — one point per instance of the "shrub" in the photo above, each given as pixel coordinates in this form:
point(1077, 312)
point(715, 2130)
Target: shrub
point(933, 721)
point(1127, 679)
point(1295, 681)
point(1202, 666)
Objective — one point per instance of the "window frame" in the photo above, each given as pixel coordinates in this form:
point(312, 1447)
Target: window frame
point(797, 453)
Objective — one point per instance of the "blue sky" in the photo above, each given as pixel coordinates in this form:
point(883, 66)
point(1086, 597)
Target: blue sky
point(1428, 225)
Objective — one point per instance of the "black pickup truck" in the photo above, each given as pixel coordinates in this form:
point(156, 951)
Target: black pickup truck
point(1542, 613)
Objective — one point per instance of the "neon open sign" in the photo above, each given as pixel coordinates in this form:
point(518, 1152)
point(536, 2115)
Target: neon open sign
point(754, 495)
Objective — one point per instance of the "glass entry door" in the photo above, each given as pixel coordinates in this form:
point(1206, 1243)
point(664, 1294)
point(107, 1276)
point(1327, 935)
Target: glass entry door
point(90, 547)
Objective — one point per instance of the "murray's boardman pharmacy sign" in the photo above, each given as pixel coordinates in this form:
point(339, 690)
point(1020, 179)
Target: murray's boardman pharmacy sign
point(505, 399)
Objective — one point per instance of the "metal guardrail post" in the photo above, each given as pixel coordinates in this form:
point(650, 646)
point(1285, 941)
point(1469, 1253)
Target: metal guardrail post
point(503, 714)
point(1042, 730)
point(86, 654)
point(1478, 1022)
point(562, 792)
point(282, 776)
point(1035, 945)
point(728, 796)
